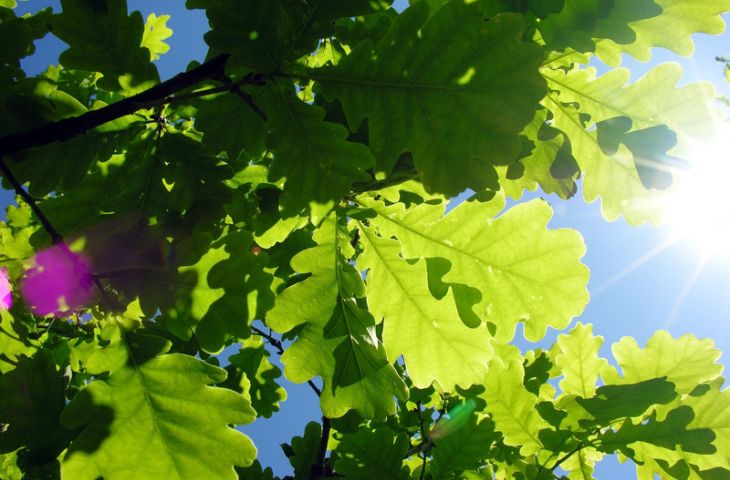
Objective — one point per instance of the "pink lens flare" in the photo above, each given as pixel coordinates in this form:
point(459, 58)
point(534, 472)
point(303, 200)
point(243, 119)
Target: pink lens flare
point(59, 284)
point(6, 290)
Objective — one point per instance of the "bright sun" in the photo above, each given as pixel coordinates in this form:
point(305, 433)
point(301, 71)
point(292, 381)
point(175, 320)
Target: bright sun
point(699, 208)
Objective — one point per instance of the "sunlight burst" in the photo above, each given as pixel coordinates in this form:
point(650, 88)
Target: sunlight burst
point(699, 208)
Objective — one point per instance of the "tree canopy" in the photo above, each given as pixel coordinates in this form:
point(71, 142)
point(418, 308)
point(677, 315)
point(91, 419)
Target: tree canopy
point(293, 195)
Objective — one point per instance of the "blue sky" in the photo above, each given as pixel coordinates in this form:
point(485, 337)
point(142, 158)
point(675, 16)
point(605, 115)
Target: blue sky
point(665, 291)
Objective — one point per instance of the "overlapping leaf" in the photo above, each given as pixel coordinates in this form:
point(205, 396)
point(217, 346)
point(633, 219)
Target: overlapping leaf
point(32, 397)
point(512, 407)
point(16, 39)
point(338, 340)
point(672, 432)
point(320, 165)
point(649, 102)
point(672, 29)
point(580, 21)
point(303, 451)
point(464, 448)
point(164, 399)
point(103, 38)
point(579, 361)
point(454, 91)
point(215, 297)
point(549, 163)
point(230, 125)
point(428, 332)
point(709, 412)
point(523, 271)
point(366, 453)
point(250, 371)
point(685, 361)
point(265, 36)
point(171, 175)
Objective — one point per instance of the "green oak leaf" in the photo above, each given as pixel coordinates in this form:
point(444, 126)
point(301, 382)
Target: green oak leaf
point(17, 35)
point(13, 344)
point(15, 237)
point(512, 407)
point(373, 452)
point(255, 472)
point(304, 451)
point(649, 102)
point(32, 396)
point(251, 371)
point(581, 465)
point(320, 165)
point(452, 90)
point(347, 351)
point(229, 124)
point(672, 433)
point(524, 272)
point(9, 468)
point(463, 448)
point(685, 361)
point(264, 36)
point(155, 33)
point(103, 38)
point(613, 402)
point(711, 412)
point(580, 22)
point(314, 299)
point(578, 361)
point(171, 176)
point(549, 163)
point(436, 345)
point(672, 29)
point(214, 298)
point(338, 340)
point(163, 398)
point(574, 25)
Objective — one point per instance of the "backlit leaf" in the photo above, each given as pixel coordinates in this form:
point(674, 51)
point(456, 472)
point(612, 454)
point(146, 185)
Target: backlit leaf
point(412, 82)
point(165, 399)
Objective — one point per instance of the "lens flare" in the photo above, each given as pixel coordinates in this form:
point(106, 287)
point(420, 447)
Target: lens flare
point(59, 283)
point(6, 290)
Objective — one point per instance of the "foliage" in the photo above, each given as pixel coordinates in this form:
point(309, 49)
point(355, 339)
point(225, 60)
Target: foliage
point(292, 196)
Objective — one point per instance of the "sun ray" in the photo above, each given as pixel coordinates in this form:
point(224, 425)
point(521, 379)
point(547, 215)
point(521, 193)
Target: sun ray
point(634, 265)
point(673, 314)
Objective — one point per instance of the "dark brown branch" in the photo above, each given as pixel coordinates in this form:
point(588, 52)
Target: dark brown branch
point(319, 469)
point(47, 226)
point(424, 436)
point(70, 127)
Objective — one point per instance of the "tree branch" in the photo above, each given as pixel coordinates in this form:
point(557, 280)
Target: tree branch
point(562, 459)
point(319, 469)
point(62, 130)
point(276, 343)
point(47, 226)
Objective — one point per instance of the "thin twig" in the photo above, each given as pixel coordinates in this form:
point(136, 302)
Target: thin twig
point(424, 440)
point(562, 459)
point(423, 466)
point(276, 343)
point(47, 226)
point(235, 87)
point(425, 443)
